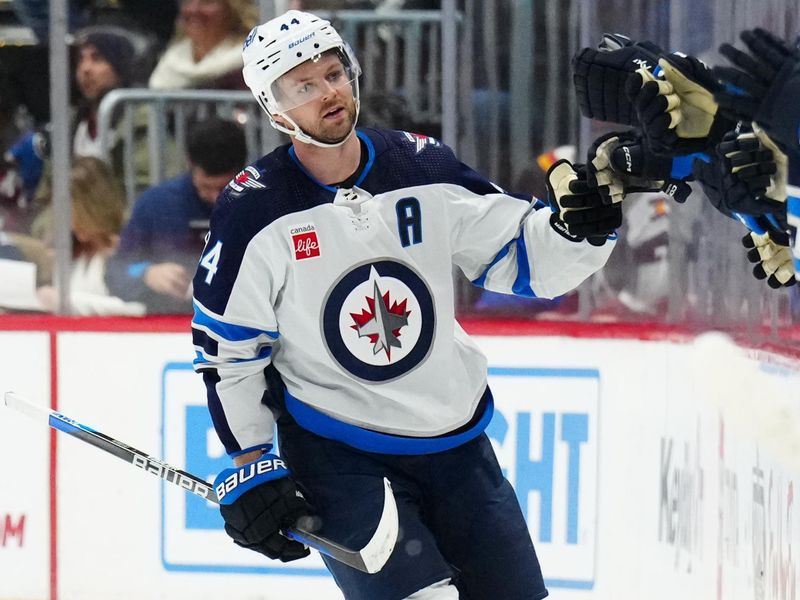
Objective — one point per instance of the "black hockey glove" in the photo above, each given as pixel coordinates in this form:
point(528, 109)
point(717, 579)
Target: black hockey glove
point(600, 76)
point(259, 500)
point(579, 211)
point(676, 107)
point(740, 177)
point(763, 86)
point(772, 257)
point(620, 162)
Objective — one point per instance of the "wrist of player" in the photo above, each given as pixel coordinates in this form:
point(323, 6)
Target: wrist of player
point(258, 501)
point(596, 237)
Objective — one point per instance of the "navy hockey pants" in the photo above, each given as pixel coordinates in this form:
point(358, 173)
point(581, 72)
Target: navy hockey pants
point(459, 517)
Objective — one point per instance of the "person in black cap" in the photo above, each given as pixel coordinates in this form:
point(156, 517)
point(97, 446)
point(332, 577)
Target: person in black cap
point(104, 62)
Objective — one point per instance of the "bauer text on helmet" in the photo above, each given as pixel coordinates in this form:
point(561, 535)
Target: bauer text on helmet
point(293, 61)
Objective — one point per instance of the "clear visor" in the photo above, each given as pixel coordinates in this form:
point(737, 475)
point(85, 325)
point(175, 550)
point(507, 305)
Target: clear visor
point(333, 71)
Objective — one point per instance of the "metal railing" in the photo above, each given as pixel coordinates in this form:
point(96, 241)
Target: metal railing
point(495, 76)
point(159, 120)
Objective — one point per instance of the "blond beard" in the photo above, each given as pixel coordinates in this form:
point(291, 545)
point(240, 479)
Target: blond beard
point(319, 133)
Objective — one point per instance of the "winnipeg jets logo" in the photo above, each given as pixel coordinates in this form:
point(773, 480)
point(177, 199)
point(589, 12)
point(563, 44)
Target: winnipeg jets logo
point(381, 323)
point(248, 178)
point(378, 320)
point(421, 141)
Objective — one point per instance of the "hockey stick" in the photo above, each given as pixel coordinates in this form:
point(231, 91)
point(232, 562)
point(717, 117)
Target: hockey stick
point(370, 559)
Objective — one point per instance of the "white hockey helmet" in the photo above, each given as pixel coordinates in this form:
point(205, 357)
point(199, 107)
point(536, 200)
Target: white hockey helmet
point(274, 48)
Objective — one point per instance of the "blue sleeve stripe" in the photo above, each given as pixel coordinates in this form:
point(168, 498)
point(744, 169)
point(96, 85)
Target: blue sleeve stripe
point(263, 354)
point(228, 331)
point(522, 284)
point(481, 281)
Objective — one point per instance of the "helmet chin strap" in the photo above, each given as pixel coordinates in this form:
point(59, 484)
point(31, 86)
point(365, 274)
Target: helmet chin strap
point(301, 136)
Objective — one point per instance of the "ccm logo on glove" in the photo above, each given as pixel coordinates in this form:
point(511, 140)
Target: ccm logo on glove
point(246, 474)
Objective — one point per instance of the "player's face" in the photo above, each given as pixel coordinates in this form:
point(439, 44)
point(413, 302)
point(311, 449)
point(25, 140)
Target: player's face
point(208, 186)
point(94, 74)
point(323, 94)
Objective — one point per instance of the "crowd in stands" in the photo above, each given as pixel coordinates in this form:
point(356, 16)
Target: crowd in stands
point(136, 255)
point(129, 258)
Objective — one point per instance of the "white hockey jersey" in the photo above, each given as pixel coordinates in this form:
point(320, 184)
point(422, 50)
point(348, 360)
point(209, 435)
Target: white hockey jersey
point(349, 293)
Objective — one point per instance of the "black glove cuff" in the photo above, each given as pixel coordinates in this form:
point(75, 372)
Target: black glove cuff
point(561, 229)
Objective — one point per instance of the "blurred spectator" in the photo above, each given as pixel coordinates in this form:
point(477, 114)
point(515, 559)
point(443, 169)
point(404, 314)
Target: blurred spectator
point(104, 63)
point(98, 213)
point(105, 59)
point(20, 171)
point(161, 243)
point(206, 51)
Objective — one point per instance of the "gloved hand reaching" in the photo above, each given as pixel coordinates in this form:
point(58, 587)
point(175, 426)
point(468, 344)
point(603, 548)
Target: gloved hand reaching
point(745, 176)
point(676, 107)
point(763, 85)
point(579, 210)
point(600, 75)
point(620, 162)
point(772, 258)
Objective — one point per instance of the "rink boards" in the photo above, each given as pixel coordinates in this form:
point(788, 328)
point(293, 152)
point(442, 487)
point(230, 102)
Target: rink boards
point(636, 461)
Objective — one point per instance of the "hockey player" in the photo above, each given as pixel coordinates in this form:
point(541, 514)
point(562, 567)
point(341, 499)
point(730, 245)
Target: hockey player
point(324, 301)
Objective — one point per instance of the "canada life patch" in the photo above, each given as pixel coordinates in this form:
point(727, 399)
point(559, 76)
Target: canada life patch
point(304, 241)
